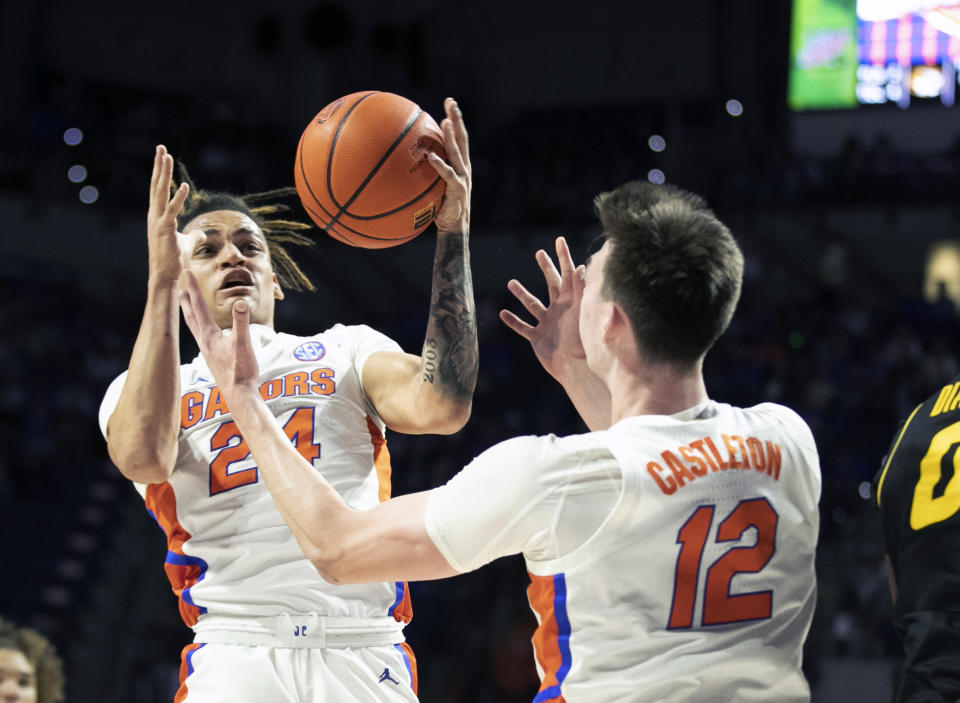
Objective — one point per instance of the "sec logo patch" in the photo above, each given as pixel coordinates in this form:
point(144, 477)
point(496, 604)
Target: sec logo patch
point(309, 351)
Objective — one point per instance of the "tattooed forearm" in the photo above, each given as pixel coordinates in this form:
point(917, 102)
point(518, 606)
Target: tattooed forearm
point(450, 358)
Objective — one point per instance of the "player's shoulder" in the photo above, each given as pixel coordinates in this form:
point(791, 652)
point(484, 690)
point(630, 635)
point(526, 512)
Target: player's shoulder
point(775, 412)
point(938, 410)
point(782, 419)
point(548, 450)
point(353, 336)
point(566, 443)
point(195, 373)
point(340, 329)
point(542, 464)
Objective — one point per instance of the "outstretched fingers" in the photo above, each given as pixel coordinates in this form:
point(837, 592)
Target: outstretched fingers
point(162, 206)
point(456, 141)
point(160, 179)
point(444, 170)
point(530, 302)
point(157, 167)
point(571, 274)
point(517, 325)
point(550, 273)
point(196, 314)
point(176, 203)
point(564, 258)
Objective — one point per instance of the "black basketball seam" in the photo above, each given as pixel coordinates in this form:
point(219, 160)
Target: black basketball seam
point(396, 209)
point(333, 146)
point(307, 184)
point(343, 208)
point(373, 171)
point(329, 230)
point(303, 173)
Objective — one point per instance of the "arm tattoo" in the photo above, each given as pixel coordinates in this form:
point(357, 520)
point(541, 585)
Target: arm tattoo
point(450, 358)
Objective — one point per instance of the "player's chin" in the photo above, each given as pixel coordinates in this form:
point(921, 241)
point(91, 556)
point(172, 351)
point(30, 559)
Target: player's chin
point(227, 298)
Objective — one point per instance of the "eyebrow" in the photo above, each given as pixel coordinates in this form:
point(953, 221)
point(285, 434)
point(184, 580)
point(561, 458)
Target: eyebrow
point(214, 232)
point(16, 672)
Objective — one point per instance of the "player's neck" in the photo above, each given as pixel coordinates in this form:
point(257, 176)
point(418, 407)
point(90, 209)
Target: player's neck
point(655, 390)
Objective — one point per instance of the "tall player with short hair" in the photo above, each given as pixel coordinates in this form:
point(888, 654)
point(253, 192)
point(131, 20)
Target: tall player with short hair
point(268, 627)
point(918, 494)
point(671, 548)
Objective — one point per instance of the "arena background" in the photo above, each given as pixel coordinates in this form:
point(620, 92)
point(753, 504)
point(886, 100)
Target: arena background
point(837, 212)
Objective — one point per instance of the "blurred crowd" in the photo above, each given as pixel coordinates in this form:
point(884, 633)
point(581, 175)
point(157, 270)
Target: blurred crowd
point(534, 166)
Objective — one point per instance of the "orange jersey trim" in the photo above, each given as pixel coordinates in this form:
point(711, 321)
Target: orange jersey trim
point(186, 668)
point(182, 571)
point(402, 608)
point(551, 640)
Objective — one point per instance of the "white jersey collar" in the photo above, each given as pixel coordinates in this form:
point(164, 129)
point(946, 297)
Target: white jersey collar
point(700, 411)
point(261, 335)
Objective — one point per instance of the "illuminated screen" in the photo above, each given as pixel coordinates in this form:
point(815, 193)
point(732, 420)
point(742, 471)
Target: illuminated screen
point(845, 53)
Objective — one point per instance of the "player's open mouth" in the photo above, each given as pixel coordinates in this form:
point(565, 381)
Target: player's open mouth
point(237, 279)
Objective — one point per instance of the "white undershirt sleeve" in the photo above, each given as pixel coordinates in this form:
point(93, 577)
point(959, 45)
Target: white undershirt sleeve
point(541, 496)
point(110, 400)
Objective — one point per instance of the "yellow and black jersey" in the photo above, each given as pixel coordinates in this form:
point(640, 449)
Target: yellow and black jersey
point(918, 493)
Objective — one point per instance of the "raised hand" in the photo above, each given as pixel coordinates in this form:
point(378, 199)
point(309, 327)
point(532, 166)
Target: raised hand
point(555, 338)
point(163, 240)
point(454, 213)
point(228, 353)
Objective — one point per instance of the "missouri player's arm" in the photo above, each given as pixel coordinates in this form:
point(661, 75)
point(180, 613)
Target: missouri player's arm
point(432, 392)
point(142, 431)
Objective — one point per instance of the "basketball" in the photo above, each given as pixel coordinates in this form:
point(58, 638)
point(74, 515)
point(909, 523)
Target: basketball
point(361, 170)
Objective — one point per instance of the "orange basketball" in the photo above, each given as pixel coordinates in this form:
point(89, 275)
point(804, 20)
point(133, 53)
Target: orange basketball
point(361, 169)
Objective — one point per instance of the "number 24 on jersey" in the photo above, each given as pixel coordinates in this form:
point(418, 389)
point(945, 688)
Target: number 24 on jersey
point(230, 448)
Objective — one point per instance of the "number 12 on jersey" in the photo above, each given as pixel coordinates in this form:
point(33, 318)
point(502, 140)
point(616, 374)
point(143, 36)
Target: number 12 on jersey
point(719, 606)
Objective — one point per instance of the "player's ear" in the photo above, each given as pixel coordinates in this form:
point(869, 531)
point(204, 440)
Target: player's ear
point(615, 322)
point(277, 290)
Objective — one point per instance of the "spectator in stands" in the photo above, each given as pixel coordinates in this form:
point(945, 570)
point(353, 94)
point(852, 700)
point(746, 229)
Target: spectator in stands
point(30, 668)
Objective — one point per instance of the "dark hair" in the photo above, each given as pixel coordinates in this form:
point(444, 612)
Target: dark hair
point(257, 206)
point(674, 268)
point(46, 663)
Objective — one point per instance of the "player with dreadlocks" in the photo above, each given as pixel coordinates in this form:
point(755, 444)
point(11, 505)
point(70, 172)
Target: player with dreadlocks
point(267, 626)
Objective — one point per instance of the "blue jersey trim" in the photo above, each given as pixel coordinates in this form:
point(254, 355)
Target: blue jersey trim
point(400, 587)
point(190, 658)
point(184, 560)
point(406, 661)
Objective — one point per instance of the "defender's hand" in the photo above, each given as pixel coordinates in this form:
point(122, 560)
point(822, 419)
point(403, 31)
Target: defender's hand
point(555, 337)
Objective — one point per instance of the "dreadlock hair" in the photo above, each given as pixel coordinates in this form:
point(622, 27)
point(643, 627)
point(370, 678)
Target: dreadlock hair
point(43, 657)
point(258, 207)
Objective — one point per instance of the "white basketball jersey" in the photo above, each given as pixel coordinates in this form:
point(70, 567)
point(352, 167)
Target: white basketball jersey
point(694, 582)
point(229, 550)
